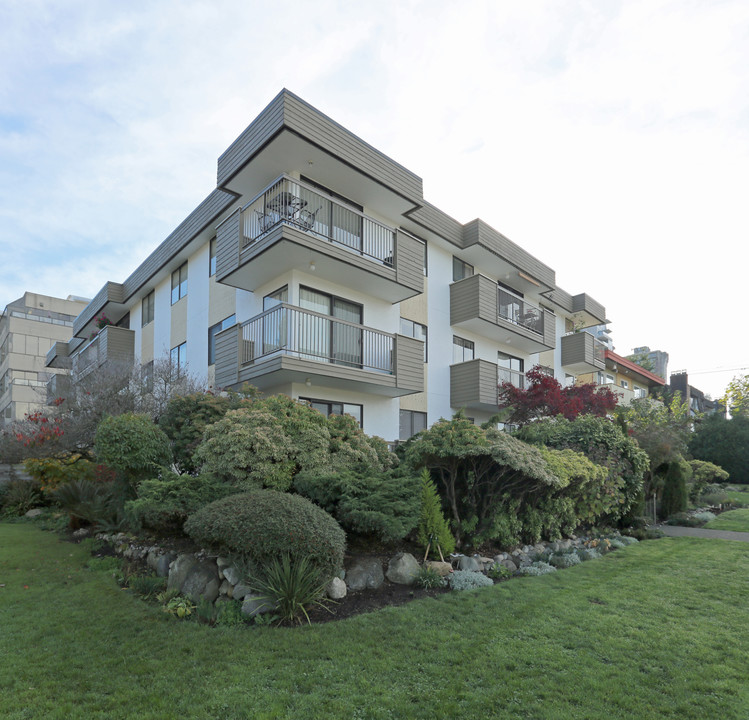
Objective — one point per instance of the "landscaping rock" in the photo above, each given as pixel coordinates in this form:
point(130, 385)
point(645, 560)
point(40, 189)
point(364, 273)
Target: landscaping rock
point(163, 563)
point(201, 582)
point(240, 591)
point(226, 588)
point(178, 571)
point(509, 564)
point(443, 568)
point(365, 574)
point(231, 574)
point(336, 589)
point(468, 563)
point(36, 512)
point(82, 533)
point(561, 545)
point(255, 605)
point(403, 569)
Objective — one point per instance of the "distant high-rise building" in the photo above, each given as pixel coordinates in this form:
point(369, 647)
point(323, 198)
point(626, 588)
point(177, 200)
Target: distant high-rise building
point(601, 333)
point(658, 358)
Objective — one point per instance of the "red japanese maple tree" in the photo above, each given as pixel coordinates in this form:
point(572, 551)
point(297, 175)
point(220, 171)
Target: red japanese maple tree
point(543, 396)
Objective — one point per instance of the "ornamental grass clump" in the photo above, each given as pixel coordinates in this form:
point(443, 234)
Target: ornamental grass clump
point(468, 580)
point(428, 578)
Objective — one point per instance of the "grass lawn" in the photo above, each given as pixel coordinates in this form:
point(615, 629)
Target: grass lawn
point(731, 520)
point(738, 496)
point(658, 630)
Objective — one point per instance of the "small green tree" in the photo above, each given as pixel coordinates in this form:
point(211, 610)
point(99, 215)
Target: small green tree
point(133, 447)
point(674, 497)
point(434, 532)
point(704, 474)
point(736, 398)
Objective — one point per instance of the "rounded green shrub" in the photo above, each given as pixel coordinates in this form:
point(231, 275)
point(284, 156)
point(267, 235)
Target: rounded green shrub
point(132, 446)
point(261, 526)
point(588, 554)
point(536, 568)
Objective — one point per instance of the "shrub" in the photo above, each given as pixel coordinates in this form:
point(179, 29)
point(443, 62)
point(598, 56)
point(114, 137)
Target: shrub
point(704, 474)
point(683, 520)
point(165, 502)
point(704, 517)
point(289, 587)
point(499, 572)
point(713, 499)
point(564, 560)
point(468, 580)
point(588, 554)
point(52, 472)
point(648, 533)
point(428, 578)
point(434, 532)
point(384, 504)
point(536, 568)
point(628, 540)
point(133, 447)
point(185, 420)
point(229, 614)
point(90, 502)
point(263, 525)
point(20, 496)
point(674, 497)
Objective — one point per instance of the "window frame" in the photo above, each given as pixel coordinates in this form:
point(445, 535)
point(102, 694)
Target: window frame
point(411, 414)
point(181, 357)
point(214, 330)
point(404, 330)
point(464, 347)
point(148, 309)
point(212, 257)
point(343, 405)
point(179, 290)
point(463, 265)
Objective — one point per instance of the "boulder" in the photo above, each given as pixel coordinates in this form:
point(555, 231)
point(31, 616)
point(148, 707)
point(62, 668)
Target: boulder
point(443, 568)
point(365, 574)
point(403, 569)
point(241, 591)
point(255, 605)
point(36, 512)
point(336, 589)
point(178, 571)
point(468, 563)
point(163, 563)
point(226, 588)
point(201, 582)
point(509, 564)
point(231, 574)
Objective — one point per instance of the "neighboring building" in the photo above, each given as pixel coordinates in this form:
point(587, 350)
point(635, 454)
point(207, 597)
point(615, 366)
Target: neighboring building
point(29, 326)
point(657, 357)
point(603, 335)
point(697, 400)
point(317, 269)
point(626, 378)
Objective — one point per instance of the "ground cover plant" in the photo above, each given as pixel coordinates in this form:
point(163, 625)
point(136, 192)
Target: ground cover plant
point(736, 520)
point(641, 633)
point(738, 497)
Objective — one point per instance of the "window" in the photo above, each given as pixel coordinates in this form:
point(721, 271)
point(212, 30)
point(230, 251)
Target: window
point(409, 328)
point(411, 422)
point(461, 269)
point(147, 376)
point(178, 357)
point(462, 349)
point(215, 330)
point(609, 379)
point(147, 306)
point(640, 392)
point(212, 257)
point(511, 369)
point(341, 341)
point(625, 384)
point(179, 283)
point(328, 407)
point(276, 298)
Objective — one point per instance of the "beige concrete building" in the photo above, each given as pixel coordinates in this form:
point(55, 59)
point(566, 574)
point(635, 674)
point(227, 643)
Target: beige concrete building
point(29, 327)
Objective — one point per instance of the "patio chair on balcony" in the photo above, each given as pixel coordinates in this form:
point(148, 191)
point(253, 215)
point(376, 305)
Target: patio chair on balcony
point(307, 218)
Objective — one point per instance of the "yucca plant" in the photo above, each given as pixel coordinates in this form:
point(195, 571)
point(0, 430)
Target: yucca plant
point(289, 586)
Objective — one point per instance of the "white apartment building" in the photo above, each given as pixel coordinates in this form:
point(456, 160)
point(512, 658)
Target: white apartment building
point(316, 268)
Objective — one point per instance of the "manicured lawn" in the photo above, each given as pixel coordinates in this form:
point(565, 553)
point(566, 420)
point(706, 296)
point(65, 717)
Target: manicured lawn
point(731, 520)
point(658, 630)
point(738, 496)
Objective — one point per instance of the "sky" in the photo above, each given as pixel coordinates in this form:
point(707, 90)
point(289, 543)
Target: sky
point(609, 139)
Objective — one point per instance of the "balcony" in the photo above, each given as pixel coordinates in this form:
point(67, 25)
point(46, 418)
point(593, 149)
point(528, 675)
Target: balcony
point(292, 226)
point(58, 356)
point(289, 345)
point(474, 384)
point(625, 395)
point(479, 304)
point(582, 353)
point(112, 345)
point(58, 386)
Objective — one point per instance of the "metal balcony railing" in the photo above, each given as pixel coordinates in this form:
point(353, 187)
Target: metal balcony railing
point(599, 351)
point(518, 311)
point(86, 358)
point(307, 209)
point(289, 330)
